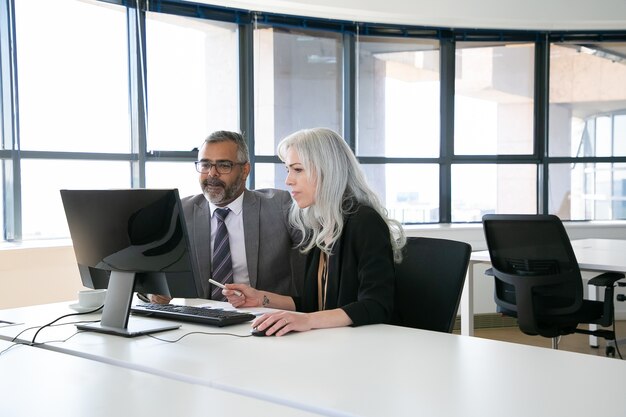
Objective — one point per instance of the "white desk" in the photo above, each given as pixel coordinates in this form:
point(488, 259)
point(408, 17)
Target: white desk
point(375, 370)
point(37, 382)
point(602, 255)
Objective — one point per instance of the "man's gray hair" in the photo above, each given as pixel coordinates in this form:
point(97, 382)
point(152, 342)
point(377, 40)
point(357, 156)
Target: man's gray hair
point(228, 136)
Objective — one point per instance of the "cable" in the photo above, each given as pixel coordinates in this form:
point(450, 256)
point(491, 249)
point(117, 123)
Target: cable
point(43, 343)
point(59, 318)
point(2, 352)
point(61, 341)
point(25, 330)
point(62, 324)
point(190, 333)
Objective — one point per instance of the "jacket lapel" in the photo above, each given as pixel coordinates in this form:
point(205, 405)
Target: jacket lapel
point(202, 239)
point(251, 221)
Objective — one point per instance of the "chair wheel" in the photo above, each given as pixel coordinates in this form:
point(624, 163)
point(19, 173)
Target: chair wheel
point(610, 351)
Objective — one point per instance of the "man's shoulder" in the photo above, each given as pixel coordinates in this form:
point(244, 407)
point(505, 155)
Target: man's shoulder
point(192, 200)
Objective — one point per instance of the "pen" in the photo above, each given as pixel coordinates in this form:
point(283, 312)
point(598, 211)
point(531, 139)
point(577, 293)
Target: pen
point(219, 284)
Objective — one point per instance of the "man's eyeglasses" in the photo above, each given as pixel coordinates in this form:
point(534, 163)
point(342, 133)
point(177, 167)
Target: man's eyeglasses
point(222, 167)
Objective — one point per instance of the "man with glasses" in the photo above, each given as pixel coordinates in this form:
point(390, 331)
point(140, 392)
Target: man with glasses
point(256, 226)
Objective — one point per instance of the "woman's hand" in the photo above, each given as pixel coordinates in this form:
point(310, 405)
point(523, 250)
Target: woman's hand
point(241, 295)
point(282, 322)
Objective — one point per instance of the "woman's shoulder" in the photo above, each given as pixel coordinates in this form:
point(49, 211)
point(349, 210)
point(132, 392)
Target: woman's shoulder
point(361, 213)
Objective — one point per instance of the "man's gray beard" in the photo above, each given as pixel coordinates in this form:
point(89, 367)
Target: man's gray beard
point(226, 194)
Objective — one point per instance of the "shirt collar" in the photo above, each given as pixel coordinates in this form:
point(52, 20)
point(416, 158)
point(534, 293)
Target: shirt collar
point(235, 206)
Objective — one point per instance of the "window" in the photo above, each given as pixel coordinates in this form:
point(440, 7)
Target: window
point(480, 189)
point(493, 116)
point(42, 209)
point(73, 76)
point(587, 121)
point(435, 148)
point(193, 80)
point(410, 192)
point(73, 99)
point(398, 97)
point(270, 175)
point(587, 190)
point(181, 175)
point(494, 90)
point(297, 84)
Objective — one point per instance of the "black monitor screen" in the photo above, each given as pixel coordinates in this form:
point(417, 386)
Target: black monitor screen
point(138, 237)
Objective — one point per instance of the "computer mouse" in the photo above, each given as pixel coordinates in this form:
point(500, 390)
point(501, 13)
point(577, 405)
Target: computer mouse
point(257, 332)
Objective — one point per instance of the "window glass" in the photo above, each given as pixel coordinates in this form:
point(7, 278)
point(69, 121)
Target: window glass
point(489, 188)
point(619, 134)
point(409, 202)
point(42, 210)
point(181, 175)
point(193, 80)
point(587, 99)
point(588, 191)
point(297, 84)
point(270, 176)
point(398, 97)
point(73, 76)
point(494, 90)
point(410, 192)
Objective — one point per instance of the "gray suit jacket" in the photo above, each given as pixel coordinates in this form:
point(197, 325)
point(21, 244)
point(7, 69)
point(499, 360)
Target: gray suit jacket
point(273, 263)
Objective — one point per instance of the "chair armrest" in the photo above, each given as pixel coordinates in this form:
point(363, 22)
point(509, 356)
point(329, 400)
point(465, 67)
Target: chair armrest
point(489, 272)
point(607, 279)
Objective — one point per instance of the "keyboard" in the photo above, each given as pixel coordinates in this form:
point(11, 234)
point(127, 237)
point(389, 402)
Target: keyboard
point(201, 315)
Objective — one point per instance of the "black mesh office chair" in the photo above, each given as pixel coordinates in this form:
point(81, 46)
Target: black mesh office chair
point(429, 282)
point(538, 280)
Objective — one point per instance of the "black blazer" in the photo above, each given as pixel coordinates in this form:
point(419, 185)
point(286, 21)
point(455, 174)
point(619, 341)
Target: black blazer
point(361, 271)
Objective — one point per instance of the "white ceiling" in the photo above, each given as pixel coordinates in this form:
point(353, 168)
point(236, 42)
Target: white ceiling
point(485, 14)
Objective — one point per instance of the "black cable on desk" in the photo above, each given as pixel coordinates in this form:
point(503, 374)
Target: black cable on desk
point(62, 317)
point(206, 333)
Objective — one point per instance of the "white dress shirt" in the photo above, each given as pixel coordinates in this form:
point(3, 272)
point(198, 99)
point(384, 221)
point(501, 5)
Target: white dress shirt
point(234, 224)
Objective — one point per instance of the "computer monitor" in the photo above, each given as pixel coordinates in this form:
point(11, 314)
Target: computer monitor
point(131, 240)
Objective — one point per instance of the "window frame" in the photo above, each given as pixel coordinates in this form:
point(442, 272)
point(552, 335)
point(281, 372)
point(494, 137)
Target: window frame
point(11, 155)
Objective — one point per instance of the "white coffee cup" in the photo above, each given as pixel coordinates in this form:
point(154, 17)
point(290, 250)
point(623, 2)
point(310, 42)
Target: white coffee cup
point(91, 298)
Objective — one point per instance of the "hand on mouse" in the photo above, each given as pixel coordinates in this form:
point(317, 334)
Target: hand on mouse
point(282, 322)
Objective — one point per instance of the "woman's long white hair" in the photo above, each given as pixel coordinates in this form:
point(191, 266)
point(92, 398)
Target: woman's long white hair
point(327, 158)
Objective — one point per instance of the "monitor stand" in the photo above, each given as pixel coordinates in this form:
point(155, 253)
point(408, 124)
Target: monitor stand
point(116, 312)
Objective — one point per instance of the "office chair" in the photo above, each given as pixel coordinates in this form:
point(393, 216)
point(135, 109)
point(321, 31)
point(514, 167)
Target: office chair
point(429, 282)
point(538, 280)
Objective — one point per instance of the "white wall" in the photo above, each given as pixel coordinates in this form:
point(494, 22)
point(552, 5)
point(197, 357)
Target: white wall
point(486, 14)
point(32, 275)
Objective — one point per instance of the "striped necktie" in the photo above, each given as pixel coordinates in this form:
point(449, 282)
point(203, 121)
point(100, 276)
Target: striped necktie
point(222, 263)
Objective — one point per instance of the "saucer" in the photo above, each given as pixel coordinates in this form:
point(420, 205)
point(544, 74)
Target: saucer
point(80, 309)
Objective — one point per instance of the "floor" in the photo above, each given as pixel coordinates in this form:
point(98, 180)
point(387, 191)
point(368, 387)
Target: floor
point(573, 343)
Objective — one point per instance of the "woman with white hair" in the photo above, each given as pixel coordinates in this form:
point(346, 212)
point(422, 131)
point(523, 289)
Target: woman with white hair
point(350, 242)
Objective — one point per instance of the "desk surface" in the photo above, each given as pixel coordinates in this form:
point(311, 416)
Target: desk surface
point(365, 371)
point(38, 382)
